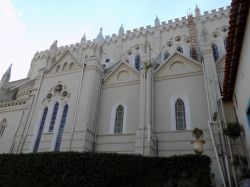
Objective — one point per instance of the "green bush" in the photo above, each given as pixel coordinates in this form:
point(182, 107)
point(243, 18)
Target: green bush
point(103, 169)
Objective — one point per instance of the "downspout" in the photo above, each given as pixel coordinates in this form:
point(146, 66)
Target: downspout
point(97, 116)
point(77, 104)
point(32, 112)
point(219, 122)
point(210, 130)
point(17, 127)
point(216, 153)
point(229, 145)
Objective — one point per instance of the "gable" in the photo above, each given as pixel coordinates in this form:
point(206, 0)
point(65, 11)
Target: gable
point(65, 63)
point(123, 73)
point(178, 64)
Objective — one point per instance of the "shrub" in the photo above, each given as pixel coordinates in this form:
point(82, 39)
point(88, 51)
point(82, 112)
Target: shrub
point(103, 169)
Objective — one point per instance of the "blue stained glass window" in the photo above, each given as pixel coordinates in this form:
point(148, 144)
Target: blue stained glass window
point(215, 52)
point(138, 62)
point(40, 130)
point(53, 119)
point(61, 128)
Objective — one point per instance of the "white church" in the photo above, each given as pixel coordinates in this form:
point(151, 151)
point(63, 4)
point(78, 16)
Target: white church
point(140, 91)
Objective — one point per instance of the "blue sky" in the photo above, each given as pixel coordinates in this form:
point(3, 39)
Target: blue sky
point(31, 25)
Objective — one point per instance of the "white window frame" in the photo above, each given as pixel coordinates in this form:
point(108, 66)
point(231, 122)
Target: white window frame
point(173, 100)
point(113, 115)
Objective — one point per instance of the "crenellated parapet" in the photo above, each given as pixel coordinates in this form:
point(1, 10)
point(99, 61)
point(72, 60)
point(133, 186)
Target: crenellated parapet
point(165, 26)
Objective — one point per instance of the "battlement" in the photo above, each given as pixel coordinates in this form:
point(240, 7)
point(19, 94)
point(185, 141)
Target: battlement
point(164, 25)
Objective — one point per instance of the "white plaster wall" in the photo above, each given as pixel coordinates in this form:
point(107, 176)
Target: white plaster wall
point(12, 117)
point(242, 89)
point(50, 81)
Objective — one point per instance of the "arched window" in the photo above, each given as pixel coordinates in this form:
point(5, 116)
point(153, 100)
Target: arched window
point(71, 66)
point(193, 54)
point(166, 55)
point(53, 118)
point(3, 125)
point(119, 120)
point(61, 128)
point(179, 49)
point(64, 66)
point(57, 68)
point(225, 43)
point(215, 52)
point(138, 62)
point(180, 115)
point(40, 130)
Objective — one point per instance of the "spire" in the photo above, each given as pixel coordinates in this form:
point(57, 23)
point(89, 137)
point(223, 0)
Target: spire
point(157, 21)
point(83, 40)
point(53, 50)
point(121, 31)
point(99, 39)
point(6, 75)
point(197, 11)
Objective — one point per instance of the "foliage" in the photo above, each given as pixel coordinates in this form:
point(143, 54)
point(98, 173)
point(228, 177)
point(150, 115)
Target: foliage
point(103, 169)
point(197, 133)
point(233, 130)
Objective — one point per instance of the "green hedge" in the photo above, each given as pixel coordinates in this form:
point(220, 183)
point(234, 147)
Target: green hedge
point(103, 169)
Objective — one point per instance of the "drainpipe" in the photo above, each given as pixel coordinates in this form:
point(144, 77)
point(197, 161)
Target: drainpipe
point(76, 107)
point(32, 112)
point(216, 153)
point(17, 127)
point(228, 143)
point(210, 130)
point(97, 116)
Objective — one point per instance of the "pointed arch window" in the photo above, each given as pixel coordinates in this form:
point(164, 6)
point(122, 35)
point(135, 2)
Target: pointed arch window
point(180, 115)
point(40, 130)
point(61, 128)
point(64, 66)
point(53, 118)
point(179, 49)
point(71, 66)
point(193, 53)
point(119, 119)
point(57, 68)
point(215, 52)
point(3, 125)
point(166, 55)
point(138, 62)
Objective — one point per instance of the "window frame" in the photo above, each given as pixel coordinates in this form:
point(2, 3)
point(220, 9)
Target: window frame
point(59, 134)
point(180, 108)
point(137, 62)
point(41, 122)
point(173, 100)
point(215, 52)
point(113, 117)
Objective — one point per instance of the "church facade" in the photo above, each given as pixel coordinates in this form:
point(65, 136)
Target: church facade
point(135, 92)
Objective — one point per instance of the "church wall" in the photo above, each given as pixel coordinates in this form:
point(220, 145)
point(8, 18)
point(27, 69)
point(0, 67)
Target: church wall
point(242, 89)
point(49, 82)
point(128, 96)
point(12, 120)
